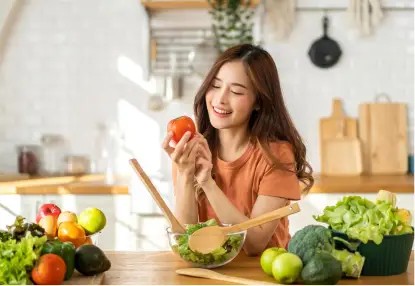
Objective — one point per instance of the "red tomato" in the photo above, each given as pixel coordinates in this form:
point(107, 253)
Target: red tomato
point(179, 126)
point(49, 270)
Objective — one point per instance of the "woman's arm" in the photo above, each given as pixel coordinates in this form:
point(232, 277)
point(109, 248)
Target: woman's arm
point(257, 237)
point(183, 156)
point(186, 209)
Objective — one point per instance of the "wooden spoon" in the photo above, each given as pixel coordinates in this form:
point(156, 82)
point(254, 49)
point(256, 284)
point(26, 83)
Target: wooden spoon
point(207, 239)
point(210, 274)
point(176, 226)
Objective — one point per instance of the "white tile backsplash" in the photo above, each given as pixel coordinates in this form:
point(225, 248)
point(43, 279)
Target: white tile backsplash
point(60, 70)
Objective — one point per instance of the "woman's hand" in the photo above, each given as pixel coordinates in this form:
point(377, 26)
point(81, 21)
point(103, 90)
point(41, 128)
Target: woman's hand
point(204, 164)
point(184, 153)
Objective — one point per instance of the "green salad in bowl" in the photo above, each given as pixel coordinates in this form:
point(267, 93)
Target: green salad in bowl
point(219, 257)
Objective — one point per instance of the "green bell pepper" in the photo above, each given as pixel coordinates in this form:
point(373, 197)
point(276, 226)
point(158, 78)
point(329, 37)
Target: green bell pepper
point(66, 250)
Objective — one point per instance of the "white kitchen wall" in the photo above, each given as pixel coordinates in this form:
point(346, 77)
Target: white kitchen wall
point(69, 65)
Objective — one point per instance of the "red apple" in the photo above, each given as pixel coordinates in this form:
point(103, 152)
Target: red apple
point(48, 209)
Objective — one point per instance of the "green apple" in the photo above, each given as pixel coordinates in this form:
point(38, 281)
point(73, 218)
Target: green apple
point(268, 256)
point(286, 268)
point(92, 220)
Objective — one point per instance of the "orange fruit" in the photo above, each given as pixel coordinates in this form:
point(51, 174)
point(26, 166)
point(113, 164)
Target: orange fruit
point(71, 231)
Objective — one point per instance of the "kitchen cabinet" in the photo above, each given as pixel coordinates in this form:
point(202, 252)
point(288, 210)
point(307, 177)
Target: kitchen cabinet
point(150, 232)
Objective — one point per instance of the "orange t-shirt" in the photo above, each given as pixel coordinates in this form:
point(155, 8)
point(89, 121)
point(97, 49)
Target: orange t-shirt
point(251, 175)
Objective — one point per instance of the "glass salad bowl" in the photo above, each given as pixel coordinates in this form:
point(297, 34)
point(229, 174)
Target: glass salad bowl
point(219, 257)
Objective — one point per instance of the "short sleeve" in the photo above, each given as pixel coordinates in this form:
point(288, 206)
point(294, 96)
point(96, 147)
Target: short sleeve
point(277, 182)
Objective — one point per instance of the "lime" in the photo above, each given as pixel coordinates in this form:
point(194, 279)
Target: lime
point(92, 220)
point(268, 256)
point(286, 268)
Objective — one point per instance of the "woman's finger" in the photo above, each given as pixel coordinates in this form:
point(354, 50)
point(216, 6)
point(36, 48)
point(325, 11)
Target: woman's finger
point(165, 145)
point(180, 147)
point(205, 150)
point(205, 153)
point(193, 151)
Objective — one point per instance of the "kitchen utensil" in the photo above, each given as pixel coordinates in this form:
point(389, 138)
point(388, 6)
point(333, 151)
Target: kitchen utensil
point(335, 126)
point(207, 239)
point(324, 52)
point(232, 247)
point(341, 155)
point(202, 57)
point(210, 274)
point(175, 224)
point(383, 130)
point(390, 257)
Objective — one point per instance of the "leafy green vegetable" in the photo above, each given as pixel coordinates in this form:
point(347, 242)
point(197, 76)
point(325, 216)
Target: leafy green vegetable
point(228, 250)
point(365, 220)
point(314, 239)
point(19, 229)
point(17, 258)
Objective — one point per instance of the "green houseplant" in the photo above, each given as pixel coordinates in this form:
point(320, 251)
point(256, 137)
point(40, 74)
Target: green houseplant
point(232, 22)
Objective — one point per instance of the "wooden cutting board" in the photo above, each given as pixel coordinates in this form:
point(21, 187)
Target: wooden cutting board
point(337, 126)
point(79, 279)
point(342, 157)
point(383, 133)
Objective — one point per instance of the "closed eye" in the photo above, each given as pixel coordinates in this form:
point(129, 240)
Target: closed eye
point(215, 86)
point(238, 93)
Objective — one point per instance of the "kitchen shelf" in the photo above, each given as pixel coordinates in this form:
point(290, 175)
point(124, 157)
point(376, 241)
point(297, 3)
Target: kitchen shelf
point(363, 184)
point(154, 5)
point(90, 184)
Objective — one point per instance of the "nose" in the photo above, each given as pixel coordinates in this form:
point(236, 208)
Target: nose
point(220, 96)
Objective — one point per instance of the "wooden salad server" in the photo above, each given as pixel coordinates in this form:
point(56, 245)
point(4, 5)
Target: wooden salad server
point(176, 226)
point(207, 239)
point(210, 274)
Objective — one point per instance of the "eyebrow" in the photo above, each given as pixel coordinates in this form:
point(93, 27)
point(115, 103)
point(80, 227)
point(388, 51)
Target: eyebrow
point(233, 83)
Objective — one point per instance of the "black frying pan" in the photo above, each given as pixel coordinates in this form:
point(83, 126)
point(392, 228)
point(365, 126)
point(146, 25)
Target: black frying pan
point(325, 52)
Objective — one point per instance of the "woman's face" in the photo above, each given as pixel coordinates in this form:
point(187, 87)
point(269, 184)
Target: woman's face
point(230, 98)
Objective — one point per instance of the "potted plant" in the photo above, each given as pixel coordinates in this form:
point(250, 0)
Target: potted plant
point(232, 22)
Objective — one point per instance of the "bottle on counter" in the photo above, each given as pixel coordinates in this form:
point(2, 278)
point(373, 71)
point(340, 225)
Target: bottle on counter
point(105, 147)
point(29, 159)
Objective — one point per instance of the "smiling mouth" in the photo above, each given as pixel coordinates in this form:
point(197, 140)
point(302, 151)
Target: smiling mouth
point(221, 111)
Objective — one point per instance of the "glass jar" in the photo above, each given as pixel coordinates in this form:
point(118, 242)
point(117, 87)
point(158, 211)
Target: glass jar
point(76, 165)
point(53, 154)
point(28, 159)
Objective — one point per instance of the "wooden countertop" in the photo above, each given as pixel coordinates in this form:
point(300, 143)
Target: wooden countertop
point(363, 184)
point(93, 184)
point(159, 268)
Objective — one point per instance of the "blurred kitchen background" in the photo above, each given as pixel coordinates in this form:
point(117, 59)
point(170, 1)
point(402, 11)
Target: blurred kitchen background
point(87, 85)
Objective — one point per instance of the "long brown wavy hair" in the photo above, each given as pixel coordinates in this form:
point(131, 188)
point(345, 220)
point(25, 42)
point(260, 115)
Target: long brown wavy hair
point(271, 122)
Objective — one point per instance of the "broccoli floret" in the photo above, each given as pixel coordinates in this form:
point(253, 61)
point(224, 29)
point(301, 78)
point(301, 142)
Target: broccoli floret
point(309, 240)
point(314, 239)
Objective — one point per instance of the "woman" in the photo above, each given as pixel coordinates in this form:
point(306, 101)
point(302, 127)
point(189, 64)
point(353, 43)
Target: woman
point(248, 158)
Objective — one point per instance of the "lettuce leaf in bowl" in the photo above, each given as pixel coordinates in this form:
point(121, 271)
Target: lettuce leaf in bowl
point(365, 220)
